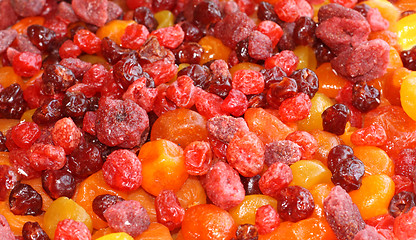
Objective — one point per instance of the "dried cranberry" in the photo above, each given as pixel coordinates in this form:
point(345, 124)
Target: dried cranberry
point(3, 147)
point(50, 111)
point(401, 203)
point(206, 12)
point(364, 97)
point(58, 183)
point(335, 118)
point(168, 209)
point(192, 32)
point(280, 91)
point(85, 160)
point(144, 16)
point(188, 52)
point(200, 74)
point(348, 173)
point(111, 51)
point(103, 202)
point(241, 50)
point(12, 104)
point(322, 53)
point(362, 8)
point(74, 104)
point(294, 203)
point(246, 232)
point(286, 41)
point(251, 184)
point(134, 36)
point(338, 154)
point(69, 229)
point(69, 49)
point(266, 11)
point(159, 5)
point(57, 78)
point(33, 231)
point(127, 70)
point(307, 81)
point(272, 75)
point(24, 200)
point(41, 36)
point(87, 41)
point(304, 31)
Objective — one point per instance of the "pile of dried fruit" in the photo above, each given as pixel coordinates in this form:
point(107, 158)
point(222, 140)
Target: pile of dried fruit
point(207, 119)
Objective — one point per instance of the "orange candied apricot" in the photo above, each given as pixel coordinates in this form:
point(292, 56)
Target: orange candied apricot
point(266, 126)
point(374, 195)
point(245, 212)
point(386, 35)
point(375, 159)
point(313, 229)
point(247, 66)
point(90, 188)
point(36, 184)
point(392, 85)
point(146, 200)
point(22, 25)
point(319, 193)
point(213, 49)
point(16, 222)
point(326, 141)
point(405, 5)
point(156, 231)
point(346, 137)
point(207, 222)
point(163, 166)
point(181, 126)
point(191, 193)
point(114, 30)
point(27, 115)
point(307, 58)
point(4, 158)
point(329, 82)
point(8, 77)
point(6, 124)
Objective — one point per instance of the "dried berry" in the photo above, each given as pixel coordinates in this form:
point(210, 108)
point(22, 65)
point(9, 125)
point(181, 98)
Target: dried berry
point(307, 81)
point(56, 79)
point(102, 202)
point(144, 16)
point(24, 200)
point(280, 91)
point(401, 203)
point(294, 203)
point(168, 209)
point(58, 183)
point(364, 97)
point(198, 158)
point(12, 104)
point(267, 219)
point(74, 104)
point(335, 118)
point(50, 111)
point(25, 134)
point(206, 12)
point(85, 160)
point(246, 232)
point(409, 58)
point(251, 184)
point(304, 31)
point(69, 229)
point(276, 177)
point(33, 231)
point(284, 151)
point(8, 180)
point(42, 37)
point(348, 173)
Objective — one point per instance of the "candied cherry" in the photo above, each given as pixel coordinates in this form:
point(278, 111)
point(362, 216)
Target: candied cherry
point(58, 183)
point(24, 200)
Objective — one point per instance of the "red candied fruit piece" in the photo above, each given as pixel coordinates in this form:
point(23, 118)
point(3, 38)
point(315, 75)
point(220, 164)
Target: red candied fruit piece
point(198, 158)
point(376, 20)
point(295, 203)
point(8, 180)
point(373, 135)
point(20, 160)
point(33, 95)
point(218, 148)
point(405, 225)
point(27, 64)
point(306, 141)
point(87, 41)
point(123, 170)
point(69, 49)
point(267, 219)
point(170, 37)
point(5, 230)
point(245, 153)
point(272, 30)
point(76, 65)
point(291, 10)
point(91, 11)
point(96, 76)
point(146, 98)
point(276, 177)
point(223, 186)
point(127, 216)
point(345, 3)
point(224, 128)
point(78, 88)
point(295, 108)
point(168, 210)
point(235, 103)
point(286, 60)
point(161, 103)
point(382, 222)
point(161, 71)
point(133, 90)
point(25, 134)
point(69, 229)
point(181, 92)
point(57, 25)
point(402, 183)
point(405, 162)
point(134, 36)
point(133, 4)
point(66, 134)
point(284, 151)
point(248, 81)
point(208, 104)
point(46, 156)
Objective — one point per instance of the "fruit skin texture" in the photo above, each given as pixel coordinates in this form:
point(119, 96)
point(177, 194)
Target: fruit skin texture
point(408, 95)
point(207, 222)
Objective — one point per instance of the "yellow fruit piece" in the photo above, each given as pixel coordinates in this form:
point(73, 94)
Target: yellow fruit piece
point(8, 77)
point(94, 59)
point(116, 236)
point(405, 29)
point(374, 195)
point(101, 233)
point(326, 141)
point(27, 115)
point(165, 18)
point(408, 94)
point(191, 193)
point(64, 208)
point(245, 212)
point(6, 124)
point(346, 137)
point(245, 65)
point(308, 173)
point(213, 49)
point(320, 102)
point(319, 193)
point(375, 159)
point(156, 231)
point(114, 30)
point(306, 56)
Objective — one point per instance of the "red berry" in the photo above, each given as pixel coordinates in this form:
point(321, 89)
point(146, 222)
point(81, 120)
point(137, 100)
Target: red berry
point(267, 219)
point(198, 158)
point(69, 49)
point(69, 229)
point(168, 210)
point(295, 108)
point(286, 60)
point(170, 37)
point(25, 134)
point(248, 81)
point(27, 64)
point(87, 41)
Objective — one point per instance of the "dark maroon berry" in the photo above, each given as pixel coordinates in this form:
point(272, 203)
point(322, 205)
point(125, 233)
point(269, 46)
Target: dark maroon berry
point(362, 8)
point(241, 49)
point(286, 42)
point(251, 184)
point(323, 54)
point(280, 91)
point(401, 203)
point(144, 16)
point(58, 183)
point(24, 200)
point(93, 103)
point(57, 78)
point(85, 160)
point(188, 52)
point(307, 81)
point(127, 70)
point(272, 75)
point(409, 58)
point(49, 112)
point(199, 73)
point(348, 174)
point(152, 51)
point(220, 81)
point(246, 232)
point(266, 12)
point(206, 13)
point(50, 60)
point(33, 231)
point(257, 100)
point(335, 118)
point(8, 180)
point(365, 97)
point(3, 147)
point(102, 202)
point(12, 104)
point(304, 31)
point(111, 51)
point(294, 203)
point(159, 5)
point(192, 32)
point(74, 104)
point(41, 36)
point(338, 154)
